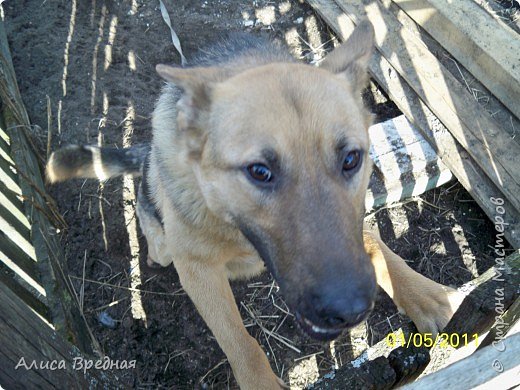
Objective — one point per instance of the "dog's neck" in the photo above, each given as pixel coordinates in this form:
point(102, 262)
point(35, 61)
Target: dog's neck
point(172, 178)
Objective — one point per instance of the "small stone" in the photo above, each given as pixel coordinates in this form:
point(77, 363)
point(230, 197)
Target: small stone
point(330, 375)
point(299, 20)
point(106, 320)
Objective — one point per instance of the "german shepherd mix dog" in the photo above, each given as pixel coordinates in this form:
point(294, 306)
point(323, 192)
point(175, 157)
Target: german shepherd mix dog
point(257, 159)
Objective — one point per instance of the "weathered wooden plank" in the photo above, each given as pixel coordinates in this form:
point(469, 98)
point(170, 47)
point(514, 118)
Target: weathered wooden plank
point(6, 170)
point(24, 291)
point(24, 335)
point(17, 256)
point(380, 367)
point(9, 218)
point(448, 99)
point(10, 380)
point(477, 313)
point(463, 166)
point(52, 268)
point(488, 368)
point(9, 222)
point(506, 120)
point(4, 147)
point(503, 324)
point(16, 231)
point(11, 201)
point(407, 162)
point(496, 289)
point(485, 47)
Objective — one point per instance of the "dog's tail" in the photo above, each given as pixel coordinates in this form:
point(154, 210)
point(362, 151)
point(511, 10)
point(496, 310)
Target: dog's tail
point(95, 162)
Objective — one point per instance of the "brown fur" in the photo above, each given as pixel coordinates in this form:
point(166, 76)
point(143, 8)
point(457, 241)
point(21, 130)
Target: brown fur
point(307, 225)
point(288, 115)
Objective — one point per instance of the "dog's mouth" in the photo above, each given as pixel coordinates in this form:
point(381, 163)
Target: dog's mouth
point(317, 332)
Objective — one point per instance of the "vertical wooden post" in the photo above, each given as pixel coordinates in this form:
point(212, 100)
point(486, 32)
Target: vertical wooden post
point(25, 167)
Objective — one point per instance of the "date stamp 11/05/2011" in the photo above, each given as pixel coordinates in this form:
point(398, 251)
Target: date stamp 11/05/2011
point(428, 340)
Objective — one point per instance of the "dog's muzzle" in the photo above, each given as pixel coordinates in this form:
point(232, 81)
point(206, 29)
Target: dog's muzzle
point(335, 303)
point(334, 328)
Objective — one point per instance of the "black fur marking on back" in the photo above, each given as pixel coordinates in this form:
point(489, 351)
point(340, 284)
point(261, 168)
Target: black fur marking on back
point(239, 49)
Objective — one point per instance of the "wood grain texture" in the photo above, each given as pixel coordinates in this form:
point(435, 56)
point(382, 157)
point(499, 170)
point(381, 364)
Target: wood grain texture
point(485, 47)
point(49, 270)
point(406, 163)
point(497, 287)
point(488, 368)
point(448, 99)
point(24, 335)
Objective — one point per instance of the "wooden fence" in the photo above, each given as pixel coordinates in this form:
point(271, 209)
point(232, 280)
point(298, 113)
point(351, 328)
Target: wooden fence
point(40, 319)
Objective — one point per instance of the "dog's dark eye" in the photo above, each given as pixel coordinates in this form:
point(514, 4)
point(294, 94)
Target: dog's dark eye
point(351, 160)
point(260, 172)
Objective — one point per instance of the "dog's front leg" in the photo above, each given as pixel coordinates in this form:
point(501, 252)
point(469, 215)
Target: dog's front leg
point(430, 305)
point(209, 289)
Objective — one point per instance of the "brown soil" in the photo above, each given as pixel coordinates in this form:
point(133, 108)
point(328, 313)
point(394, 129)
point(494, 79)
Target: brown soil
point(78, 53)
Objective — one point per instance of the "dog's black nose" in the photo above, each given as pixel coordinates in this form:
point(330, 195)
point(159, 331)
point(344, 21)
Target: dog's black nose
point(341, 314)
point(336, 310)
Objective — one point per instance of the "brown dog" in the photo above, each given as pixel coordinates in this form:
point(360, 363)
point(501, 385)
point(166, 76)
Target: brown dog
point(260, 160)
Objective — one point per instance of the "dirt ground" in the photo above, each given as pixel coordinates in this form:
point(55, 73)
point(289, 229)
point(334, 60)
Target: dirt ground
point(94, 62)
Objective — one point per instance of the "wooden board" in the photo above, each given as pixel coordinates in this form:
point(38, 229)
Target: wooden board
point(461, 164)
point(448, 99)
point(496, 289)
point(25, 335)
point(488, 368)
point(406, 164)
point(23, 180)
point(507, 323)
point(380, 367)
point(485, 47)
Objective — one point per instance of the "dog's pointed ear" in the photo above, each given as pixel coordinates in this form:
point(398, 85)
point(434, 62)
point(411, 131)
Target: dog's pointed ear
point(196, 85)
point(193, 106)
point(351, 58)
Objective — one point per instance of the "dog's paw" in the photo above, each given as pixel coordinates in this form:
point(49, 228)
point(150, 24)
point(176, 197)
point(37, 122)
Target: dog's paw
point(431, 307)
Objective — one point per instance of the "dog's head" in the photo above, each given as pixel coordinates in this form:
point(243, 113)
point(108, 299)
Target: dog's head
point(281, 152)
